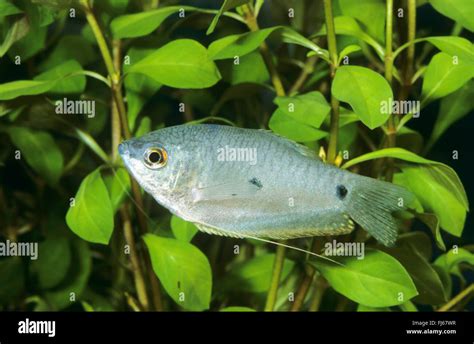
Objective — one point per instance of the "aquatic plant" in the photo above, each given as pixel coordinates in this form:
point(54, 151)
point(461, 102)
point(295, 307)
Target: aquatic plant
point(357, 82)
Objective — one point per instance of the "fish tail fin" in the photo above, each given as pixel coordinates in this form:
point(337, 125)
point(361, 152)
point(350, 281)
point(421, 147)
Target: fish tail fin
point(372, 204)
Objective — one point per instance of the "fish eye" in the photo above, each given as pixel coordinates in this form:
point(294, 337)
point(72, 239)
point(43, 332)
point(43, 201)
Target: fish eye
point(155, 158)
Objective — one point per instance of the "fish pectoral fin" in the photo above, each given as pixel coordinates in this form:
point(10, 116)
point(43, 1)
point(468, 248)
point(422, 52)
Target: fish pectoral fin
point(233, 190)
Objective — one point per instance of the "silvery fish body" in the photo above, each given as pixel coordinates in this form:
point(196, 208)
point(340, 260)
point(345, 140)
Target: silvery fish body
point(246, 182)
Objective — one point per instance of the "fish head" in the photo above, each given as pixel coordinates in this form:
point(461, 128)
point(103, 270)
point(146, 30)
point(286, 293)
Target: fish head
point(155, 161)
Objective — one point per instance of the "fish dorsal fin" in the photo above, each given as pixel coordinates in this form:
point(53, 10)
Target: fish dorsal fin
point(301, 149)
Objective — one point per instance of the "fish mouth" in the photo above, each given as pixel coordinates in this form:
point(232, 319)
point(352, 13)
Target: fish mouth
point(123, 149)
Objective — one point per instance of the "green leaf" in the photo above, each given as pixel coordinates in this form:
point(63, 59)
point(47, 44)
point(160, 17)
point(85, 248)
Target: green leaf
point(255, 275)
point(378, 280)
point(396, 152)
point(182, 63)
point(363, 308)
point(77, 277)
point(183, 270)
point(91, 215)
point(287, 126)
point(53, 261)
point(143, 23)
point(443, 76)
point(89, 141)
point(8, 9)
point(250, 69)
point(432, 221)
point(451, 45)
point(237, 309)
point(40, 15)
point(144, 127)
point(183, 230)
point(347, 51)
point(428, 284)
point(40, 152)
point(226, 6)
point(349, 26)
point(14, 89)
point(54, 80)
point(242, 44)
point(139, 87)
point(441, 181)
point(310, 108)
point(453, 108)
point(366, 91)
point(454, 46)
point(12, 279)
point(371, 13)
point(347, 136)
point(238, 45)
point(118, 186)
point(64, 81)
point(461, 11)
point(29, 45)
point(291, 36)
point(70, 47)
point(445, 278)
point(408, 307)
point(434, 186)
point(16, 31)
point(450, 261)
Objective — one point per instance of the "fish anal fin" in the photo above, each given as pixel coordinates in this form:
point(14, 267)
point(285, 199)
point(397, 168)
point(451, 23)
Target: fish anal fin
point(215, 231)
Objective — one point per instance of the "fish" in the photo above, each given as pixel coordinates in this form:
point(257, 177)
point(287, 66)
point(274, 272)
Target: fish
point(240, 182)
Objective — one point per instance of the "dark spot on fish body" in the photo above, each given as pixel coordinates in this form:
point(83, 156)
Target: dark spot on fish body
point(256, 182)
point(341, 192)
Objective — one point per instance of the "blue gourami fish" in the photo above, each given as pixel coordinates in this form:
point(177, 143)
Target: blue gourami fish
point(253, 183)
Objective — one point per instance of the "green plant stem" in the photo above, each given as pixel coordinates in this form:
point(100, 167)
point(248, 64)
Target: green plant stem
point(458, 298)
point(276, 274)
point(252, 24)
point(388, 62)
point(303, 289)
point(251, 21)
point(75, 159)
point(134, 259)
point(115, 125)
point(408, 66)
point(114, 75)
point(411, 37)
point(305, 284)
point(332, 47)
point(408, 307)
point(319, 289)
point(308, 277)
point(388, 41)
point(308, 68)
